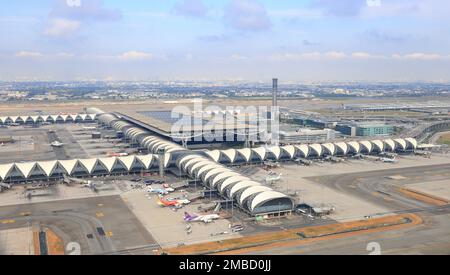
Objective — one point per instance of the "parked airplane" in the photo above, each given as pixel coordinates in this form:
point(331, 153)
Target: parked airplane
point(57, 144)
point(160, 191)
point(389, 160)
point(200, 218)
point(85, 183)
point(118, 155)
point(166, 203)
point(272, 178)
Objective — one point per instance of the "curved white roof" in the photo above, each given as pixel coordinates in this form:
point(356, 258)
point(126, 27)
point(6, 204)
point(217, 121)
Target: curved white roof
point(232, 180)
point(230, 154)
point(5, 169)
point(197, 165)
point(368, 145)
point(330, 147)
point(167, 159)
point(186, 158)
point(401, 142)
point(355, 146)
point(389, 143)
point(253, 190)
point(108, 163)
point(264, 197)
point(25, 168)
point(343, 147)
point(242, 185)
point(246, 153)
point(276, 150)
point(222, 176)
point(89, 164)
point(378, 145)
point(303, 149)
point(213, 172)
point(48, 167)
point(412, 142)
point(146, 160)
point(260, 152)
point(207, 168)
point(317, 148)
point(289, 149)
point(68, 165)
point(190, 163)
point(127, 161)
point(214, 155)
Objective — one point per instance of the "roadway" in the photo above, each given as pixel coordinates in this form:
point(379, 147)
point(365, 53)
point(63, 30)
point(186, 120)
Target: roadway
point(431, 237)
point(91, 222)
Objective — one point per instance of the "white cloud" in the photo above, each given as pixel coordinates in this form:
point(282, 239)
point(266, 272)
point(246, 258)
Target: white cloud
point(424, 56)
point(26, 54)
point(364, 55)
point(421, 57)
point(135, 55)
point(335, 55)
point(62, 27)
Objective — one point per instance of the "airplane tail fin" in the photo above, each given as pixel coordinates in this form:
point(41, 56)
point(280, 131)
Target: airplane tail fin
point(187, 216)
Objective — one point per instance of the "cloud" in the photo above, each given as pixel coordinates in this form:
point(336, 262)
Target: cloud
point(333, 55)
point(62, 27)
point(247, 15)
point(69, 16)
point(341, 8)
point(422, 56)
point(26, 54)
point(92, 10)
point(364, 55)
point(135, 55)
point(192, 8)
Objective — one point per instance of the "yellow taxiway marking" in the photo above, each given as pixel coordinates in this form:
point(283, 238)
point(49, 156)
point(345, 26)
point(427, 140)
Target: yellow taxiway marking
point(25, 214)
point(8, 221)
point(100, 215)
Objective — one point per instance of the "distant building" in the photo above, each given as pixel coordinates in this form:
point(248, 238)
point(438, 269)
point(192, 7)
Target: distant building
point(374, 130)
point(365, 130)
point(307, 136)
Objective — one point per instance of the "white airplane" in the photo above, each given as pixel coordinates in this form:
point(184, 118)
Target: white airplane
point(57, 144)
point(84, 183)
point(271, 178)
point(160, 191)
point(200, 218)
point(389, 160)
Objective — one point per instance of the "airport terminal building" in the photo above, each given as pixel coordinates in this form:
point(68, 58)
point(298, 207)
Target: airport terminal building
point(210, 168)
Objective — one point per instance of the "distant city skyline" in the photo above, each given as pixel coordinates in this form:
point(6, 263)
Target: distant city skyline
point(247, 40)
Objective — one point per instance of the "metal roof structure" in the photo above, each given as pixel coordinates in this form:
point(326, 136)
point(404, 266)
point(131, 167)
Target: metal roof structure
point(81, 167)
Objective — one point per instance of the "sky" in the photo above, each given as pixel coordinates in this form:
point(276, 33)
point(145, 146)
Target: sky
point(243, 40)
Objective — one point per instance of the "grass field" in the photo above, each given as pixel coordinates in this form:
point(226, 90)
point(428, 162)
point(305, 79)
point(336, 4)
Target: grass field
point(445, 139)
